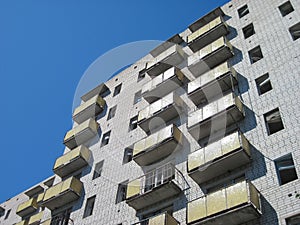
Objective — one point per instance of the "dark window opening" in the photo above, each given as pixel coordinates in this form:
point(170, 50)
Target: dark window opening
point(105, 138)
point(295, 31)
point(142, 75)
point(273, 121)
point(243, 11)
point(286, 8)
point(285, 168)
point(127, 155)
point(89, 206)
point(255, 54)
point(121, 193)
point(112, 112)
point(294, 220)
point(263, 84)
point(98, 169)
point(248, 31)
point(7, 214)
point(137, 97)
point(117, 90)
point(133, 123)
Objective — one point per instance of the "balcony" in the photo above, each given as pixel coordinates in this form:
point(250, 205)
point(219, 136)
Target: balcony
point(157, 146)
point(163, 84)
point(231, 152)
point(101, 89)
point(167, 108)
point(163, 183)
point(210, 56)
point(72, 161)
point(23, 222)
point(81, 133)
point(27, 207)
point(206, 34)
point(39, 198)
point(89, 109)
point(162, 219)
point(166, 55)
point(214, 82)
point(62, 193)
point(215, 116)
point(236, 204)
point(36, 219)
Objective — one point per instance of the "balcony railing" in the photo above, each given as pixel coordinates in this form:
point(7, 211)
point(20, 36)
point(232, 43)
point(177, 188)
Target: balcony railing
point(81, 133)
point(72, 161)
point(162, 219)
point(215, 116)
point(163, 84)
point(157, 146)
point(166, 56)
point(207, 33)
point(167, 108)
point(158, 185)
point(210, 56)
point(227, 154)
point(89, 109)
point(232, 205)
point(36, 219)
point(62, 193)
point(214, 82)
point(27, 207)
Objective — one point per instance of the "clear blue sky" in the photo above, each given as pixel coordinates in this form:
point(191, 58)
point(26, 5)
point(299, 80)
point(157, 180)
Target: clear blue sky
point(45, 47)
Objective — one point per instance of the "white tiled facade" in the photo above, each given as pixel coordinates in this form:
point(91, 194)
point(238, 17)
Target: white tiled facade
point(281, 60)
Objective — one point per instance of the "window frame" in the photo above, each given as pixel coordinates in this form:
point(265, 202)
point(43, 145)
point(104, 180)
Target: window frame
point(286, 11)
point(111, 112)
point(117, 90)
point(297, 27)
point(98, 169)
point(282, 159)
point(245, 29)
point(261, 82)
point(88, 212)
point(104, 136)
point(255, 50)
point(243, 11)
point(269, 113)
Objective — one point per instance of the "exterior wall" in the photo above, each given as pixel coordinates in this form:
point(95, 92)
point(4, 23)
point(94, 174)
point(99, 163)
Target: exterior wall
point(281, 61)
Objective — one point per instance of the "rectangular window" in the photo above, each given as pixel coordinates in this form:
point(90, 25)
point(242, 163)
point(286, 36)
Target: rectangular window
point(105, 138)
point(141, 75)
point(121, 193)
point(137, 97)
point(243, 11)
point(263, 84)
point(273, 121)
point(285, 168)
point(133, 123)
point(89, 206)
point(117, 90)
point(255, 54)
point(248, 31)
point(294, 220)
point(7, 214)
point(112, 112)
point(286, 8)
point(98, 169)
point(127, 155)
point(295, 31)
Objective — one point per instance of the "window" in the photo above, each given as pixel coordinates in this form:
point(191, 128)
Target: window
point(295, 31)
point(105, 138)
point(243, 11)
point(286, 8)
point(7, 214)
point(285, 169)
point(127, 155)
point(89, 206)
point(141, 75)
point(133, 123)
point(294, 220)
point(273, 121)
point(117, 90)
point(112, 112)
point(137, 97)
point(248, 31)
point(263, 84)
point(255, 54)
point(121, 194)
point(98, 169)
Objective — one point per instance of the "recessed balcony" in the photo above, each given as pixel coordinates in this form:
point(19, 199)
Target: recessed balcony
point(81, 133)
point(166, 109)
point(157, 146)
point(210, 56)
point(212, 83)
point(216, 116)
point(231, 152)
point(166, 55)
point(72, 161)
point(162, 219)
point(27, 207)
point(163, 84)
point(163, 183)
point(236, 204)
point(206, 34)
point(89, 109)
point(36, 219)
point(62, 193)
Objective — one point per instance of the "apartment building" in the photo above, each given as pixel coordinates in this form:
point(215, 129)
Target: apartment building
point(202, 130)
